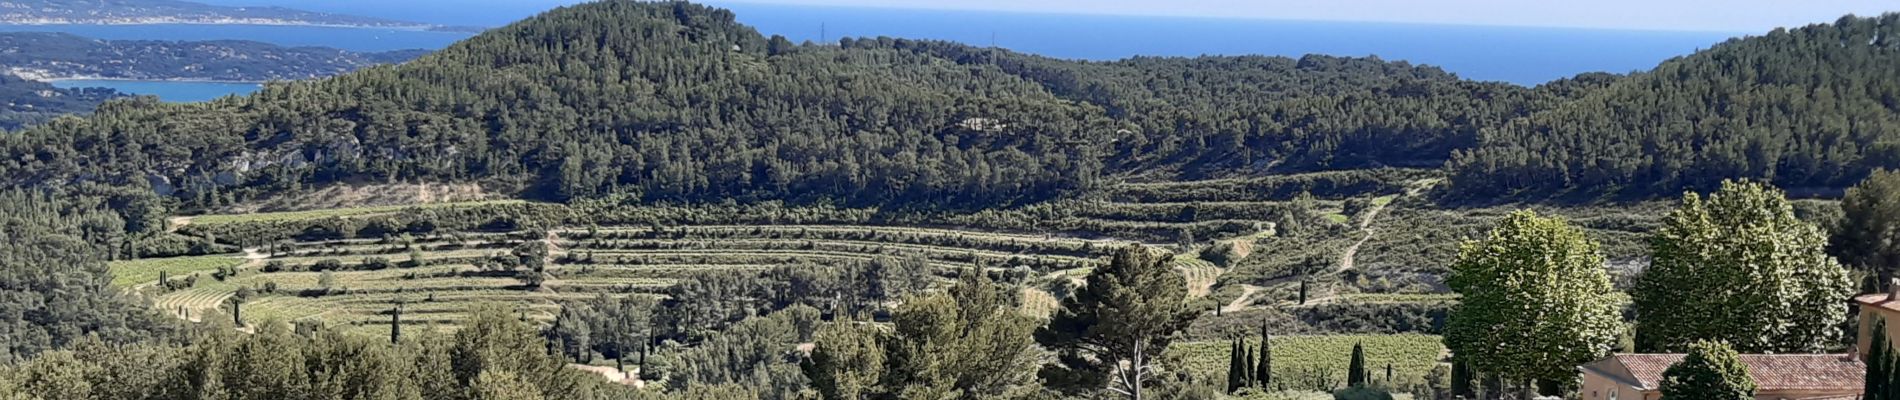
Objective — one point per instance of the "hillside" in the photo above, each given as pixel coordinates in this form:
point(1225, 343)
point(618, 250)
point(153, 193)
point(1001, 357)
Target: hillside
point(64, 56)
point(1812, 109)
point(29, 102)
point(656, 176)
point(127, 12)
point(679, 102)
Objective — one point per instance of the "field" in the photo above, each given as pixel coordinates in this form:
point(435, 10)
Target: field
point(135, 272)
point(1311, 362)
point(1369, 246)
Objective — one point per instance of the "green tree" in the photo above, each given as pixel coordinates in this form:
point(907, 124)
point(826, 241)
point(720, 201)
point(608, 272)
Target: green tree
point(1113, 330)
point(847, 360)
point(1356, 373)
point(1741, 269)
point(1263, 371)
point(1711, 371)
point(968, 342)
point(1869, 235)
point(1879, 364)
point(1536, 301)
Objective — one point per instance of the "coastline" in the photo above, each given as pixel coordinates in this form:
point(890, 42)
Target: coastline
point(410, 28)
point(168, 80)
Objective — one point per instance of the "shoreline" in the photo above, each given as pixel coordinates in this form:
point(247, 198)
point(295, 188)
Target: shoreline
point(408, 28)
point(168, 80)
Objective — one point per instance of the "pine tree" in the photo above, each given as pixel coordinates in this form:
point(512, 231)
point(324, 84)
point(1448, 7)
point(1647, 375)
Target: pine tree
point(1356, 369)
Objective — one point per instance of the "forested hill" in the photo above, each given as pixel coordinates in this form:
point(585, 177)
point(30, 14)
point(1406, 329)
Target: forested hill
point(58, 55)
point(26, 102)
point(678, 102)
point(1810, 108)
point(675, 101)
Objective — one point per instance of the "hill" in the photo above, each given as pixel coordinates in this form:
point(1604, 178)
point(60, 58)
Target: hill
point(64, 56)
point(29, 102)
point(1812, 109)
point(679, 102)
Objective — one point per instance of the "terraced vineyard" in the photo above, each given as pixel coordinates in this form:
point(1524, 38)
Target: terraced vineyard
point(135, 272)
point(438, 277)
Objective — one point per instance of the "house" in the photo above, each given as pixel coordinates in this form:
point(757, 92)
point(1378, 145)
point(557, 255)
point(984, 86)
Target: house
point(1777, 376)
point(1877, 307)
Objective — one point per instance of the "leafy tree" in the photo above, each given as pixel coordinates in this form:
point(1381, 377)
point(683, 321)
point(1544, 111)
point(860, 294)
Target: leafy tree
point(1110, 333)
point(1741, 269)
point(968, 342)
point(847, 361)
point(1536, 301)
point(1869, 235)
point(965, 343)
point(1711, 371)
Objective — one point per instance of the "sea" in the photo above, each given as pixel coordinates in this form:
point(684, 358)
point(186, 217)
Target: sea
point(1521, 55)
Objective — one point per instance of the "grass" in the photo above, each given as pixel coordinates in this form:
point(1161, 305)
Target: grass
point(334, 212)
point(134, 272)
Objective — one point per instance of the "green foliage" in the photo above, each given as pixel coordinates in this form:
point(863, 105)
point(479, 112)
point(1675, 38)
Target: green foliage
point(1128, 312)
point(1869, 235)
point(126, 273)
point(1536, 301)
point(1360, 392)
point(847, 361)
point(1805, 107)
point(1314, 362)
point(486, 359)
point(1356, 374)
point(1741, 269)
point(1711, 371)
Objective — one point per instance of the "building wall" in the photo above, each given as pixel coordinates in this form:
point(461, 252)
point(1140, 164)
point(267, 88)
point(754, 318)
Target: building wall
point(1864, 342)
point(1599, 387)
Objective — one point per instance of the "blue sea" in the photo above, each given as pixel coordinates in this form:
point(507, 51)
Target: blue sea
point(178, 91)
point(1522, 55)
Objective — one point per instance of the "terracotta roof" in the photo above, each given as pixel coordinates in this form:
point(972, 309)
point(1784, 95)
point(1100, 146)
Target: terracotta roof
point(1771, 371)
point(1878, 300)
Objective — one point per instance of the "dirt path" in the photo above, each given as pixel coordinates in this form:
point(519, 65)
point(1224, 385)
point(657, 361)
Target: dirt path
point(174, 223)
point(630, 378)
point(1240, 303)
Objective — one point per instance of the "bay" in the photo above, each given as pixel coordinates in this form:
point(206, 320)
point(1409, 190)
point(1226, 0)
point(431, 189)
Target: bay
point(175, 91)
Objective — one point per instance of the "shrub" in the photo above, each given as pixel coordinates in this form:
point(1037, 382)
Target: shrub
point(1361, 393)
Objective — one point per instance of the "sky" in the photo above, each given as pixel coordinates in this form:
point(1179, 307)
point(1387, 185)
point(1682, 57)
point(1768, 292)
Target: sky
point(1736, 16)
point(1674, 15)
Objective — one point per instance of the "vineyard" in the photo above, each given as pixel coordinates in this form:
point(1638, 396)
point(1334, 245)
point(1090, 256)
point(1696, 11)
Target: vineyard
point(134, 272)
point(1311, 362)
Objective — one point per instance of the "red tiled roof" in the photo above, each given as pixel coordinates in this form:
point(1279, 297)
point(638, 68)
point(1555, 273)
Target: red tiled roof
point(1878, 300)
point(1771, 371)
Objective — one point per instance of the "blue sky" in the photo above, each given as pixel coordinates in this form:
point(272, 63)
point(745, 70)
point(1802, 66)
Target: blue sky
point(1691, 15)
point(1743, 16)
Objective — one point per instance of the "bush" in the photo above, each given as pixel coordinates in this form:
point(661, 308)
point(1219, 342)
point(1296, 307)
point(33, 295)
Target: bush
point(1361, 393)
point(329, 264)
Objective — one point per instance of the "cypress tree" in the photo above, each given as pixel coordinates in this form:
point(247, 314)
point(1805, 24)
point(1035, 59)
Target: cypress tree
point(1878, 375)
point(395, 324)
point(1235, 377)
point(1246, 363)
point(1356, 370)
point(1263, 371)
point(1461, 380)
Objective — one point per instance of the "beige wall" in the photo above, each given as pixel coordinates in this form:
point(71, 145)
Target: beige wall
point(1599, 387)
point(1864, 341)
